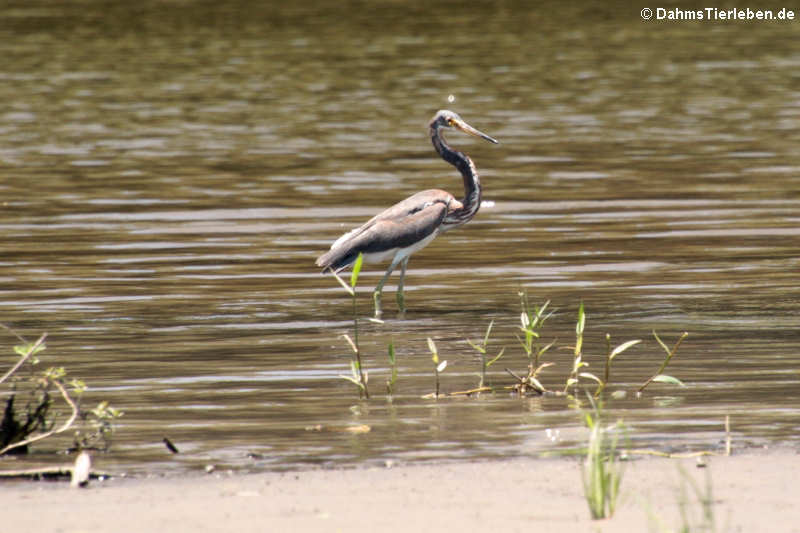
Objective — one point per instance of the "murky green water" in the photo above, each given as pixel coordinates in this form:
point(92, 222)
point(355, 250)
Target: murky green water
point(169, 171)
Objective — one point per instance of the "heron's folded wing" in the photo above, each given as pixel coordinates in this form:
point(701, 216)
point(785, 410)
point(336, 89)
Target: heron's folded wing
point(397, 227)
point(402, 231)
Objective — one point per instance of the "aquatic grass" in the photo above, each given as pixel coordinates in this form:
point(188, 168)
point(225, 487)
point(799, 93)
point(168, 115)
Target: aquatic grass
point(358, 376)
point(532, 320)
point(529, 335)
point(482, 350)
point(573, 379)
point(659, 376)
point(610, 355)
point(602, 468)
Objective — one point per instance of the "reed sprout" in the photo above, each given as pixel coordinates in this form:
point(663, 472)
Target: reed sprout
point(482, 350)
point(531, 321)
point(577, 361)
point(610, 355)
point(529, 335)
point(358, 376)
point(659, 376)
point(438, 366)
point(602, 468)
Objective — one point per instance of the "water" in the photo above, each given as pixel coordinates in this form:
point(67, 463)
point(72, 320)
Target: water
point(170, 171)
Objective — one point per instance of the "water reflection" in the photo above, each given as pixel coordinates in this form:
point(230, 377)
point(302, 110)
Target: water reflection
point(170, 172)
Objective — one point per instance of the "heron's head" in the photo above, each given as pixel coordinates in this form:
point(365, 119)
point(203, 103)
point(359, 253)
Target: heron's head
point(449, 119)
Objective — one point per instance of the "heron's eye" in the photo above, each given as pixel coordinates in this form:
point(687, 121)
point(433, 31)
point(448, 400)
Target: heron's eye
point(449, 121)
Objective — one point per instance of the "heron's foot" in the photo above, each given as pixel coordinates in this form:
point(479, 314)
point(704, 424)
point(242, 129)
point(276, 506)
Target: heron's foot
point(376, 296)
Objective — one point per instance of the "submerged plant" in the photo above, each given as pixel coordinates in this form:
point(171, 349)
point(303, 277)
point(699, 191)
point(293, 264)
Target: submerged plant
point(393, 365)
point(357, 374)
point(659, 376)
point(602, 468)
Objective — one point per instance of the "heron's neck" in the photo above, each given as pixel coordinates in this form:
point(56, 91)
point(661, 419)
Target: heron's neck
point(472, 183)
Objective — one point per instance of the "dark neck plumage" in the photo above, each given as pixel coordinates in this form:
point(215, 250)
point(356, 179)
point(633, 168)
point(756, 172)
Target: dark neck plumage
point(472, 183)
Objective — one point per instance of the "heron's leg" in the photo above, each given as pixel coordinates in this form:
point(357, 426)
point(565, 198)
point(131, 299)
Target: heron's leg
point(400, 298)
point(376, 295)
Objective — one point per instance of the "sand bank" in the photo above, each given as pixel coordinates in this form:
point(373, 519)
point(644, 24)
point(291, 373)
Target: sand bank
point(751, 492)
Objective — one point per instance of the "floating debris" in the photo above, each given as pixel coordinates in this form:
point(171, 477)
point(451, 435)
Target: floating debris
point(361, 428)
point(171, 447)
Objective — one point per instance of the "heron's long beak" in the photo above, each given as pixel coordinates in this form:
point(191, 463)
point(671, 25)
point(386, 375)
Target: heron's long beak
point(466, 128)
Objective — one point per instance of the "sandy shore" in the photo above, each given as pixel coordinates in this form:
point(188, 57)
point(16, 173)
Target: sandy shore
point(751, 492)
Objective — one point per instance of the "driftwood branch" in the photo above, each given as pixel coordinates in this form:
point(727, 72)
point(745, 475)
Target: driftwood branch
point(471, 391)
point(49, 471)
point(32, 350)
point(65, 426)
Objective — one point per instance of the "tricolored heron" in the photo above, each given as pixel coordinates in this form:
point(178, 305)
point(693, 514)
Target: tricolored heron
point(412, 224)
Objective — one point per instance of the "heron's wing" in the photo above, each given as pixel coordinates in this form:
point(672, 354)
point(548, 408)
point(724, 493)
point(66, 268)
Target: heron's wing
point(399, 212)
point(402, 225)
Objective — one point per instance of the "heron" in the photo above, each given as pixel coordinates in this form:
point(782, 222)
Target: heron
point(410, 225)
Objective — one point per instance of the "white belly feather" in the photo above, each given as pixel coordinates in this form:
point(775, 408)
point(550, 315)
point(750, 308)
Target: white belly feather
point(398, 254)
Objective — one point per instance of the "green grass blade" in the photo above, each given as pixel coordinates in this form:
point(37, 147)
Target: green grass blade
point(488, 331)
point(622, 347)
point(581, 320)
point(432, 346)
point(663, 378)
point(496, 357)
point(547, 347)
point(350, 342)
point(660, 342)
point(433, 350)
point(354, 381)
point(591, 376)
point(356, 270)
point(479, 349)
